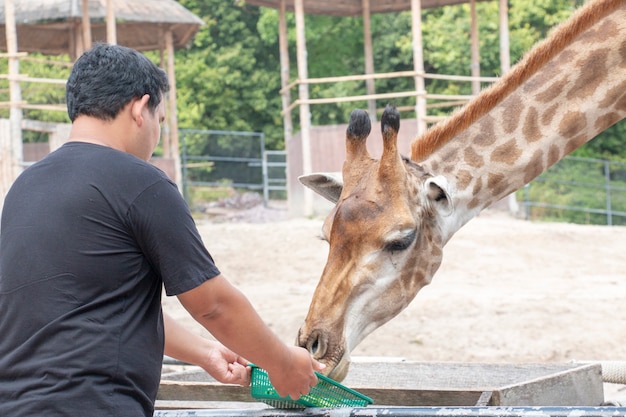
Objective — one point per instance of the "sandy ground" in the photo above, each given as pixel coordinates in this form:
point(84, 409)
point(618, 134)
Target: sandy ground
point(508, 290)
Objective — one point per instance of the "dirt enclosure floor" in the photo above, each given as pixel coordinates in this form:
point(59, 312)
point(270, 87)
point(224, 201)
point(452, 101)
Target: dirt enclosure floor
point(508, 290)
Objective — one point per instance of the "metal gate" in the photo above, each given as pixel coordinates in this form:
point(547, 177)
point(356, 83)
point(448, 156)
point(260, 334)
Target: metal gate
point(213, 158)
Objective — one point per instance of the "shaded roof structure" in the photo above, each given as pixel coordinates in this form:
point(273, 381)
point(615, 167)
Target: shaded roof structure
point(353, 7)
point(58, 27)
point(50, 26)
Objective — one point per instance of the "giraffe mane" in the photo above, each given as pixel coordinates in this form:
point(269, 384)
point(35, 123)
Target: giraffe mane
point(489, 98)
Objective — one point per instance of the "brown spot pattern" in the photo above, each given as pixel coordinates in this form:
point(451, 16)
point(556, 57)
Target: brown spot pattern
point(487, 135)
point(478, 185)
point(450, 155)
point(506, 153)
point(553, 91)
point(572, 124)
point(576, 142)
point(545, 76)
point(463, 179)
point(448, 169)
point(436, 251)
point(497, 183)
point(511, 113)
point(621, 103)
point(493, 180)
point(472, 158)
point(606, 121)
point(548, 114)
point(473, 203)
point(535, 166)
point(593, 72)
point(602, 31)
point(531, 125)
point(554, 154)
point(614, 96)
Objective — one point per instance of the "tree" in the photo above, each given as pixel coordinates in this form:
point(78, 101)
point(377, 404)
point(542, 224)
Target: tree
point(228, 78)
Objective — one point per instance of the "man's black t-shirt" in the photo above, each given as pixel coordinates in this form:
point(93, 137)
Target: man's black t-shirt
point(88, 238)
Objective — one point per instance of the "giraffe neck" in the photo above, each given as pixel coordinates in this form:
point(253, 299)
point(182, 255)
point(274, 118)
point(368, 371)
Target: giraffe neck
point(563, 93)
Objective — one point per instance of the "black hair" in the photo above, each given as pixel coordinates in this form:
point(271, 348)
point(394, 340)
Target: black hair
point(107, 77)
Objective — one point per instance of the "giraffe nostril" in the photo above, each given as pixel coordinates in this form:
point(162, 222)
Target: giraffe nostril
point(315, 345)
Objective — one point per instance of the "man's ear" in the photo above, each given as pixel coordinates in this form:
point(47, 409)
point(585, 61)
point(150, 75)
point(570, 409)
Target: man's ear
point(327, 184)
point(137, 107)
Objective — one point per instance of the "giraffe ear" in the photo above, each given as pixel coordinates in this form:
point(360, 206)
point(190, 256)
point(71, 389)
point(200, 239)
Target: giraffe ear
point(327, 184)
point(438, 196)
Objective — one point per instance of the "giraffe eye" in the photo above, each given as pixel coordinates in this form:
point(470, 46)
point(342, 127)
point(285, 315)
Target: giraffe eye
point(401, 243)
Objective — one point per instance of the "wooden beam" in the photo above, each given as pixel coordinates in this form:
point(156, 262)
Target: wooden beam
point(86, 25)
point(15, 55)
point(15, 91)
point(505, 53)
point(418, 65)
point(26, 78)
point(202, 391)
point(382, 96)
point(398, 74)
point(369, 57)
point(111, 26)
point(173, 115)
point(283, 44)
point(475, 60)
point(303, 93)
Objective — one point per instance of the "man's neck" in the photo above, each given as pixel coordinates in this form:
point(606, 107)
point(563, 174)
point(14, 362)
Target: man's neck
point(99, 132)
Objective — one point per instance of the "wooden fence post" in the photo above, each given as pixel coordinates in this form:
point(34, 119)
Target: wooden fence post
point(9, 163)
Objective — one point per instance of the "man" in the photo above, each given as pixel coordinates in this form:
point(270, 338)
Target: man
point(88, 238)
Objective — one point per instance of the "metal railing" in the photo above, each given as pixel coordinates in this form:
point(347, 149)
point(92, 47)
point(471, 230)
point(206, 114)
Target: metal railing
point(579, 190)
point(214, 158)
point(274, 173)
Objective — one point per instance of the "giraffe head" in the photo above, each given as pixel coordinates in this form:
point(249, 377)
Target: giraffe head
point(393, 217)
point(385, 242)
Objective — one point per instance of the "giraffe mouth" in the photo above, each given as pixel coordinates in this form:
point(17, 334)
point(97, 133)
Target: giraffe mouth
point(333, 355)
point(340, 371)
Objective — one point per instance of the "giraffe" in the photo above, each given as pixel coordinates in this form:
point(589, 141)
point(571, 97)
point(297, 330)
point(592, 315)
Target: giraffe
point(393, 216)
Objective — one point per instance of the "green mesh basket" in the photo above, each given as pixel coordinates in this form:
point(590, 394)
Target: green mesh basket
point(327, 393)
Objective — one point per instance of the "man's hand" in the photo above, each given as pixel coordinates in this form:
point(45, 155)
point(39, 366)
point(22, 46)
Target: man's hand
point(220, 362)
point(226, 366)
point(297, 376)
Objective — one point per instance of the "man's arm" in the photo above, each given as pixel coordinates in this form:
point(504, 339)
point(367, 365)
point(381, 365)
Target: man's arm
point(220, 362)
point(225, 312)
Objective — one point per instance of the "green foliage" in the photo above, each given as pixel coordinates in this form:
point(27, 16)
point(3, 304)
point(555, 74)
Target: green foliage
point(228, 79)
point(38, 66)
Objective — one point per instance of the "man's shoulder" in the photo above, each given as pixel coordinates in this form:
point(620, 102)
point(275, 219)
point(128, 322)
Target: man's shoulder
point(83, 166)
point(113, 161)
